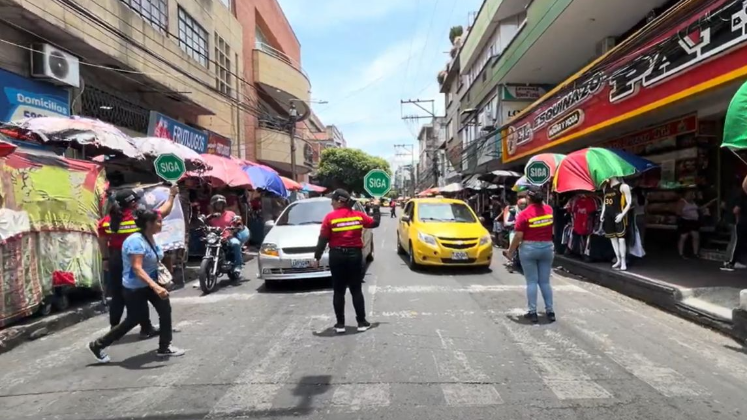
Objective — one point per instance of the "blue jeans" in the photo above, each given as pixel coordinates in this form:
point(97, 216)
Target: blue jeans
point(536, 261)
point(235, 243)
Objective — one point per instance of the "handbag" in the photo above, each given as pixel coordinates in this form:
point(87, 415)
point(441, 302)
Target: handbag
point(165, 279)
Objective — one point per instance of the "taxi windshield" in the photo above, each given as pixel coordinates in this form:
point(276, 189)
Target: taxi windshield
point(445, 212)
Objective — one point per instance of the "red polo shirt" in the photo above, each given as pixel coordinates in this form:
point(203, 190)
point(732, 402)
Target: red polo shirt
point(126, 228)
point(535, 222)
point(344, 228)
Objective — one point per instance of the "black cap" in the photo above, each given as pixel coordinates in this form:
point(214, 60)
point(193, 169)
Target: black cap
point(128, 196)
point(341, 195)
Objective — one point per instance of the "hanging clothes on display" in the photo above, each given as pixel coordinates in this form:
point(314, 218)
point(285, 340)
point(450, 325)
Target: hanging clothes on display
point(583, 209)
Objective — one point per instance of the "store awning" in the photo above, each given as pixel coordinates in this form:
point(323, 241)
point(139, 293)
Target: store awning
point(452, 188)
point(224, 172)
point(629, 88)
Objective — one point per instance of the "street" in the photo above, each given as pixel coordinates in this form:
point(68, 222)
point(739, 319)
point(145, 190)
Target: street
point(446, 344)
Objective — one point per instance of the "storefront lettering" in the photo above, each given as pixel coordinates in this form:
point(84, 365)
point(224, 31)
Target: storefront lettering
point(710, 35)
point(570, 100)
point(168, 128)
point(633, 141)
point(571, 120)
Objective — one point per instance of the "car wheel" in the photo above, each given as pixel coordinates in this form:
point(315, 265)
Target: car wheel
point(413, 264)
point(400, 250)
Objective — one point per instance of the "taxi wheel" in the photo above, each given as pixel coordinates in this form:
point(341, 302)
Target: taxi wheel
point(413, 264)
point(400, 250)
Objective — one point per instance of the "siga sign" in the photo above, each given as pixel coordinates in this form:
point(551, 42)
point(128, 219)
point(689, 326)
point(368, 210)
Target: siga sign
point(537, 172)
point(164, 127)
point(700, 52)
point(25, 98)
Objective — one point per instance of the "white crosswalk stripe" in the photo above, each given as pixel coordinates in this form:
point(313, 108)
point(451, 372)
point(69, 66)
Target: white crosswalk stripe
point(462, 395)
point(564, 376)
point(361, 396)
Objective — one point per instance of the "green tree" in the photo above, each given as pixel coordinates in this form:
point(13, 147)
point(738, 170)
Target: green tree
point(345, 168)
point(455, 32)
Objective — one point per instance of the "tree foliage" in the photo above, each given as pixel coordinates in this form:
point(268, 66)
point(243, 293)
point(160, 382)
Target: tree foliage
point(455, 32)
point(346, 168)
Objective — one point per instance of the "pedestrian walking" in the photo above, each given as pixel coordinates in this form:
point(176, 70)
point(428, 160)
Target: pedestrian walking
point(393, 209)
point(533, 239)
point(113, 230)
point(141, 257)
point(342, 229)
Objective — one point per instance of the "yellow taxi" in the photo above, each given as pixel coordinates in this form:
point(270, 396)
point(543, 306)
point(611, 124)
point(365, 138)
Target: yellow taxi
point(442, 232)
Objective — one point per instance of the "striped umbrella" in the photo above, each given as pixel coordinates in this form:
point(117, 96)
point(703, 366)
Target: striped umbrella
point(587, 169)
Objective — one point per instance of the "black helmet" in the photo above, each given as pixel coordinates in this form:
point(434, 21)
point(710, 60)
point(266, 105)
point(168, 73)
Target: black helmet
point(218, 198)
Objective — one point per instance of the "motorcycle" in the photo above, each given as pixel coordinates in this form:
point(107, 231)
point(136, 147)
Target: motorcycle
point(215, 263)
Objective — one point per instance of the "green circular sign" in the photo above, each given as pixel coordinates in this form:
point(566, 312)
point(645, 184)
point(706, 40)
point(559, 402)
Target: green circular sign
point(169, 167)
point(377, 183)
point(537, 172)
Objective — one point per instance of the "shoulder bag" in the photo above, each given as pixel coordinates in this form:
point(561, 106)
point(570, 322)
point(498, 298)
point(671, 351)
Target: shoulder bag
point(164, 279)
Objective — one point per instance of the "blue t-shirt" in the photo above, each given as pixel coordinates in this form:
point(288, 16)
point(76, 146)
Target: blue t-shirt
point(136, 244)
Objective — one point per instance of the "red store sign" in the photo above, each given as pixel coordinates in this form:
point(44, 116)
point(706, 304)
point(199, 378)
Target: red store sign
point(635, 141)
point(218, 145)
point(703, 52)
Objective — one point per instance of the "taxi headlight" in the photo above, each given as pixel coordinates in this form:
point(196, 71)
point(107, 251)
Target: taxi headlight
point(427, 239)
point(485, 240)
point(271, 250)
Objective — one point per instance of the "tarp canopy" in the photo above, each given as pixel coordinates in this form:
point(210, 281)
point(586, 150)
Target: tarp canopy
point(152, 147)
point(452, 188)
point(6, 147)
point(735, 125)
point(291, 184)
point(307, 187)
point(224, 172)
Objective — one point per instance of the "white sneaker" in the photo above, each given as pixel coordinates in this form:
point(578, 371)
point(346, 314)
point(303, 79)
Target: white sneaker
point(170, 352)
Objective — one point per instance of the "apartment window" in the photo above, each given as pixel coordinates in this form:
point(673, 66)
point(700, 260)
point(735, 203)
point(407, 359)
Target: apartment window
point(223, 79)
point(155, 12)
point(193, 38)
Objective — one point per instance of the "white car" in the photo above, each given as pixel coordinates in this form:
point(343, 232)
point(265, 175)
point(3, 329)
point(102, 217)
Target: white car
point(288, 248)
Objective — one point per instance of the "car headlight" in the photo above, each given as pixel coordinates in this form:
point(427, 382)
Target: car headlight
point(270, 250)
point(485, 240)
point(212, 238)
point(427, 239)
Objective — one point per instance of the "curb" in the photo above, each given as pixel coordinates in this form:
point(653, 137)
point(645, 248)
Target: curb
point(656, 294)
point(14, 336)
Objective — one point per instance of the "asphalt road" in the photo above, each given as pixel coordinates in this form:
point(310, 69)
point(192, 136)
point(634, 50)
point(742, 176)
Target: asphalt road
point(447, 345)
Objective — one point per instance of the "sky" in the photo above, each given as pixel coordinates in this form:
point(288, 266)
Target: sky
point(364, 57)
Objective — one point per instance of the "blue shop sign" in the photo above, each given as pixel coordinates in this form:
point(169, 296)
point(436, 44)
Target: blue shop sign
point(164, 127)
point(27, 98)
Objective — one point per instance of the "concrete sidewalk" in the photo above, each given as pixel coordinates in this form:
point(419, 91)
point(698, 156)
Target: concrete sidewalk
point(693, 289)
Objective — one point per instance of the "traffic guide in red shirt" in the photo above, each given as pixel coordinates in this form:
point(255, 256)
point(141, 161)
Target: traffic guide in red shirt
point(344, 228)
point(535, 222)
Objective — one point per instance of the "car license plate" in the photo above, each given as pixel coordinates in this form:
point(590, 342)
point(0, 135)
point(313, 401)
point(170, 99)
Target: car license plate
point(300, 263)
point(459, 256)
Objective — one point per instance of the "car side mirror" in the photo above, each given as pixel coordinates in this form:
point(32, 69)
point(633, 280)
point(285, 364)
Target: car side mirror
point(405, 219)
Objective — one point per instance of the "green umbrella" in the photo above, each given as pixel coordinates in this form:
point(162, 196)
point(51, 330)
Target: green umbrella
point(735, 126)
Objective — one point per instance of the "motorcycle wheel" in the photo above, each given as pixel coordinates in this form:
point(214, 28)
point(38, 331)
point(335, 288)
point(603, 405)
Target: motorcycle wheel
point(208, 281)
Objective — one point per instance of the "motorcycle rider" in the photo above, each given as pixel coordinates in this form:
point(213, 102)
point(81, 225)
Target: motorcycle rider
point(224, 219)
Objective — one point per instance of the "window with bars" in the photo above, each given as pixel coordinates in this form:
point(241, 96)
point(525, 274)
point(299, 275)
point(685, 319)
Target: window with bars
point(155, 12)
point(193, 38)
point(223, 79)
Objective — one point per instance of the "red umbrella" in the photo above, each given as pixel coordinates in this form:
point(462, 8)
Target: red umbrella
point(291, 184)
point(224, 172)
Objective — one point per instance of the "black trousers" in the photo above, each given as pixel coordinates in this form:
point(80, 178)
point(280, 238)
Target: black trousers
point(117, 306)
point(393, 212)
point(346, 265)
point(136, 301)
point(740, 246)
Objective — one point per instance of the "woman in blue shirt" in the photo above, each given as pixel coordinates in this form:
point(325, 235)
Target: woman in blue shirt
point(140, 258)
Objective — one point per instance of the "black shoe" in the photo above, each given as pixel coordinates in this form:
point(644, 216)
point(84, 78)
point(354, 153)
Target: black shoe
point(340, 328)
point(146, 334)
point(727, 267)
point(551, 316)
point(98, 353)
point(171, 351)
point(363, 326)
point(532, 316)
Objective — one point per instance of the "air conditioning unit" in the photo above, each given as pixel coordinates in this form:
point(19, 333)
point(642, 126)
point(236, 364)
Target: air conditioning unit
point(605, 45)
point(50, 63)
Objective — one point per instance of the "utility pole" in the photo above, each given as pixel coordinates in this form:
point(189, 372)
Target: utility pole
point(410, 149)
point(418, 103)
point(293, 117)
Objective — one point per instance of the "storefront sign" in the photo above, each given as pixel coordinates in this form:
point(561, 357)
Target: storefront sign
point(566, 123)
point(169, 128)
point(218, 145)
point(522, 93)
point(26, 98)
point(511, 109)
point(699, 54)
point(674, 128)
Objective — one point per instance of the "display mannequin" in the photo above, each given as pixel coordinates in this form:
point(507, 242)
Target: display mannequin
point(617, 201)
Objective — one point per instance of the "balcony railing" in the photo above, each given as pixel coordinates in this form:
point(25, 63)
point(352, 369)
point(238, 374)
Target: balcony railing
point(267, 49)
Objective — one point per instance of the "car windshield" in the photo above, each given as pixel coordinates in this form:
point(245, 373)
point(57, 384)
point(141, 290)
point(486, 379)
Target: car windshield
point(304, 213)
point(445, 212)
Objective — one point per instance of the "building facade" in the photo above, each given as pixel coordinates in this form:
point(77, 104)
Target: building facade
point(276, 83)
point(430, 140)
point(150, 67)
point(338, 139)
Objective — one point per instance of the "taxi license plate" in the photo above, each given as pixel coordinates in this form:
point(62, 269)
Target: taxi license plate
point(459, 256)
point(300, 263)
